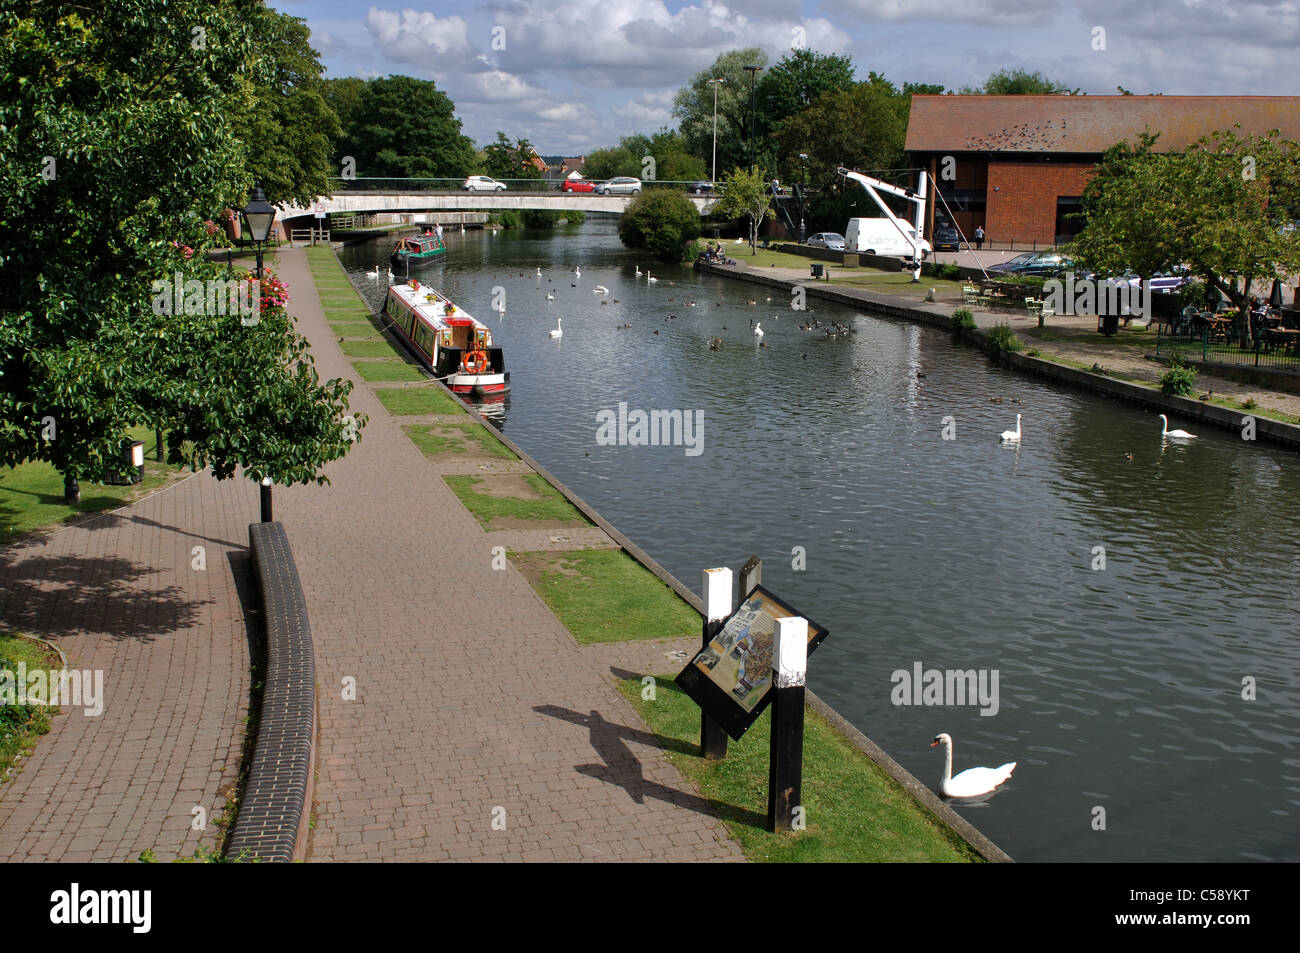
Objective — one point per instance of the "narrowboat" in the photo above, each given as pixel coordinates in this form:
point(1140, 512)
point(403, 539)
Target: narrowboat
point(447, 340)
point(418, 248)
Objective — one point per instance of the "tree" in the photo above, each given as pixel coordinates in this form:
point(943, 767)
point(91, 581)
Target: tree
point(661, 221)
point(661, 157)
point(292, 129)
point(1019, 82)
point(115, 147)
point(506, 160)
point(745, 194)
point(796, 82)
point(693, 108)
point(1220, 207)
point(406, 127)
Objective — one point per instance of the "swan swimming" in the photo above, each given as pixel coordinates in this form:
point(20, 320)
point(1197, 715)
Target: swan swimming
point(600, 290)
point(550, 297)
point(577, 271)
point(638, 271)
point(1011, 436)
point(758, 330)
point(649, 278)
point(558, 331)
point(539, 272)
point(973, 781)
point(373, 274)
point(1176, 434)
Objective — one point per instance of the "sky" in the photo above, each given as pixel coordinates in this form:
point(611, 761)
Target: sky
point(575, 75)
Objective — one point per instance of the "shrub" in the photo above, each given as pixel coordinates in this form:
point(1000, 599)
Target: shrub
point(661, 221)
point(1250, 403)
point(963, 320)
point(1004, 339)
point(1178, 380)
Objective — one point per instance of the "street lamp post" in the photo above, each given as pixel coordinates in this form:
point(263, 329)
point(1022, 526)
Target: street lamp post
point(714, 83)
point(752, 71)
point(803, 188)
point(258, 216)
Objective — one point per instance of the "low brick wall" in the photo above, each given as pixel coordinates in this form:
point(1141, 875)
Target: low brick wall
point(275, 808)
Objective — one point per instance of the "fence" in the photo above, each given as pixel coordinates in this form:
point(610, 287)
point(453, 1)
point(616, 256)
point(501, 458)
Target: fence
point(309, 235)
point(1202, 346)
point(361, 184)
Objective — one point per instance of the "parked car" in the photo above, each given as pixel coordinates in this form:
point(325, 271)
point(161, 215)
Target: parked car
point(621, 185)
point(1046, 264)
point(946, 238)
point(481, 183)
point(578, 184)
point(699, 188)
point(1013, 265)
point(832, 240)
point(1168, 281)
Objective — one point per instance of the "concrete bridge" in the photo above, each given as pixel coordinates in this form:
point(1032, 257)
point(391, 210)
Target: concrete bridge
point(355, 201)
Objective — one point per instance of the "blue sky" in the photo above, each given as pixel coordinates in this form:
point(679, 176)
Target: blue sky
point(573, 75)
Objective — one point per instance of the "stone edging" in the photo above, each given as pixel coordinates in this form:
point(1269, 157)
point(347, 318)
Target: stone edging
point(964, 829)
point(275, 807)
point(1276, 431)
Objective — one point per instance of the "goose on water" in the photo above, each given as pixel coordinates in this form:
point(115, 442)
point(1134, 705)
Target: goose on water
point(1176, 434)
point(973, 781)
point(1011, 436)
point(558, 331)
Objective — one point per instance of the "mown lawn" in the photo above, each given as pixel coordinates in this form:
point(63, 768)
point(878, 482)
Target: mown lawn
point(418, 400)
point(547, 503)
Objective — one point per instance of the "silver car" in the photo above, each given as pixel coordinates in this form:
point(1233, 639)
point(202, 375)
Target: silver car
point(481, 183)
point(832, 240)
point(622, 185)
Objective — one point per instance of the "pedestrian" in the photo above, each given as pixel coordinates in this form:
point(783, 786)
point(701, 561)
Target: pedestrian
point(979, 236)
point(438, 231)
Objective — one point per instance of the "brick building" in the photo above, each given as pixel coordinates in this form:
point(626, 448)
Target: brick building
point(1018, 164)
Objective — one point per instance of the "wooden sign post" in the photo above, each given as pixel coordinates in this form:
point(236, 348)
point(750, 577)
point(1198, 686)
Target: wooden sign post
point(717, 606)
point(785, 765)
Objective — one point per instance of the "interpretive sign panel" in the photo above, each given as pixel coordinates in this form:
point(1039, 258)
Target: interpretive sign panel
point(731, 677)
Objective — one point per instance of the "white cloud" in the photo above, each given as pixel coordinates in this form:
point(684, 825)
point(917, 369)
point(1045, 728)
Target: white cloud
point(417, 37)
point(987, 12)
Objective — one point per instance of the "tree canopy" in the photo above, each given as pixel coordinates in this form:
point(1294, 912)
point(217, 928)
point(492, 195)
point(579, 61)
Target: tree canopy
point(745, 195)
point(117, 148)
point(661, 221)
point(1224, 207)
point(1020, 82)
point(693, 108)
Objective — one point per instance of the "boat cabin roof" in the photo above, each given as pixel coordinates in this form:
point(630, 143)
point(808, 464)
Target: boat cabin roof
point(432, 307)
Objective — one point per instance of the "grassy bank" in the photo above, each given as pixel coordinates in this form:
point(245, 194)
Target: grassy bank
point(604, 595)
point(854, 811)
point(21, 726)
point(522, 496)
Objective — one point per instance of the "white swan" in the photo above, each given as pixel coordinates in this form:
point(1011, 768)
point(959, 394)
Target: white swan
point(1176, 434)
point(558, 332)
point(600, 290)
point(1011, 436)
point(648, 277)
point(973, 781)
point(758, 330)
point(638, 271)
point(550, 297)
point(577, 271)
point(373, 274)
point(539, 272)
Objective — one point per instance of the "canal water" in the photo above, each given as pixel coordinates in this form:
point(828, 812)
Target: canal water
point(1125, 605)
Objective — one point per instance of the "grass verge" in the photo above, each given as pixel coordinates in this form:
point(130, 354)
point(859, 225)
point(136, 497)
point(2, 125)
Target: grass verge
point(604, 595)
point(423, 400)
point(394, 370)
point(855, 812)
point(435, 440)
point(545, 502)
point(21, 726)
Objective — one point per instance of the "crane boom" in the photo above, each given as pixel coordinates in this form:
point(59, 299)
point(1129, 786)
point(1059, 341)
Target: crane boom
point(875, 186)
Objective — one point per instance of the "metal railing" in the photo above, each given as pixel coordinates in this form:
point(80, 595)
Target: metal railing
point(1203, 345)
point(364, 184)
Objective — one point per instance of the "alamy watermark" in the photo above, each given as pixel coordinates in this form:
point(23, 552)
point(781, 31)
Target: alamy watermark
point(73, 688)
point(655, 428)
point(933, 686)
point(1098, 296)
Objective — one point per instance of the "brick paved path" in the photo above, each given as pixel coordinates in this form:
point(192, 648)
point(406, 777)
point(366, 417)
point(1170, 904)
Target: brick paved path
point(470, 694)
point(118, 593)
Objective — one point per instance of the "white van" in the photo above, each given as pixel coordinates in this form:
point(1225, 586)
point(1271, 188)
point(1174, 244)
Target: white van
point(878, 236)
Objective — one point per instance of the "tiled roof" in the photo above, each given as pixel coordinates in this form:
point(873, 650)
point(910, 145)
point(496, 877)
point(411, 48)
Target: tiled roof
point(1086, 124)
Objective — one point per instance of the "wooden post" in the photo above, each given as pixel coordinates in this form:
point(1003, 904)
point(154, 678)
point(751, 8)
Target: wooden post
point(785, 765)
point(717, 606)
point(266, 499)
point(751, 574)
point(158, 448)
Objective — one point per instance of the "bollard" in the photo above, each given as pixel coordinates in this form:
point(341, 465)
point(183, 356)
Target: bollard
point(717, 606)
point(266, 499)
point(785, 756)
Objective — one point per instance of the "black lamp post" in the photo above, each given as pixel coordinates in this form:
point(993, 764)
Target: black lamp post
point(752, 71)
point(803, 188)
point(258, 216)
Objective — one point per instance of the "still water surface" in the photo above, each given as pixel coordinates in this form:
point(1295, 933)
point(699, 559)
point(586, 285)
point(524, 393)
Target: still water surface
point(1119, 688)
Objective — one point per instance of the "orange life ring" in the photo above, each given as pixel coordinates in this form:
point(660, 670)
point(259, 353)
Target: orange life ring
point(475, 362)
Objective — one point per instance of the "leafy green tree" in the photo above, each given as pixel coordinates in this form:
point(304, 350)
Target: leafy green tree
point(672, 159)
point(661, 221)
point(1019, 82)
point(510, 160)
point(798, 80)
point(292, 127)
point(745, 195)
point(116, 146)
point(406, 127)
point(693, 108)
point(1221, 207)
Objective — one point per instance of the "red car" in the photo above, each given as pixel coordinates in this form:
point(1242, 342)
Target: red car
point(577, 185)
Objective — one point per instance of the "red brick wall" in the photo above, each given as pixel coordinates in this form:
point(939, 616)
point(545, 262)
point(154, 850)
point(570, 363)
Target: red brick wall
point(1021, 198)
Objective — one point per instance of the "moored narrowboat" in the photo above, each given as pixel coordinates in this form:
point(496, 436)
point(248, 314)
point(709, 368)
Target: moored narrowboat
point(450, 342)
point(418, 248)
